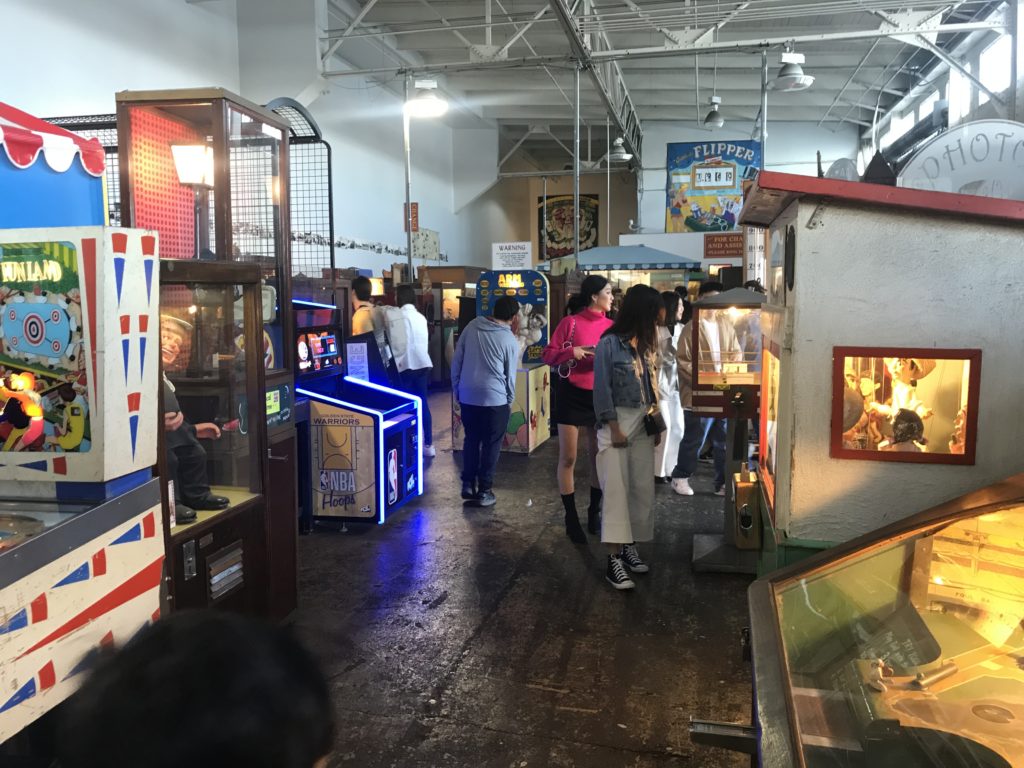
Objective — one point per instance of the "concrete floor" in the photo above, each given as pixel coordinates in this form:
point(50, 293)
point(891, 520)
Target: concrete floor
point(465, 637)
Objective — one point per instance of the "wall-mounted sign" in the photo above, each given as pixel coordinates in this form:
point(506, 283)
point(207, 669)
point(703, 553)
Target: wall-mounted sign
point(983, 158)
point(704, 188)
point(415, 217)
point(511, 255)
point(728, 245)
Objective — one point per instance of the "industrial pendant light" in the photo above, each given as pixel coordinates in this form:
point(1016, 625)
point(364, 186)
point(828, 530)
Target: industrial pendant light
point(714, 118)
point(791, 76)
point(426, 102)
point(619, 153)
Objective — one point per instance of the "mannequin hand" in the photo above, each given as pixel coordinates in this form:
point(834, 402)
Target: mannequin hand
point(579, 353)
point(207, 431)
point(173, 420)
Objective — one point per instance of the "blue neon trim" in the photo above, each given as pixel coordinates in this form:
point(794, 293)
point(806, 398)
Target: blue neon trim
point(419, 422)
point(382, 470)
point(313, 304)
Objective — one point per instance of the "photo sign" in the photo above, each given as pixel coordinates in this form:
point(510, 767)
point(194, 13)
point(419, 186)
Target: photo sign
point(506, 256)
point(704, 186)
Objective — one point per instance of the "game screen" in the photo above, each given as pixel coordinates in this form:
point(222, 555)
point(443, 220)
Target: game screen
point(309, 316)
point(318, 351)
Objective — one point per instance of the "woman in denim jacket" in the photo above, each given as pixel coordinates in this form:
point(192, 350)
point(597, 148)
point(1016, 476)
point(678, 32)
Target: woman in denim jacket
point(624, 364)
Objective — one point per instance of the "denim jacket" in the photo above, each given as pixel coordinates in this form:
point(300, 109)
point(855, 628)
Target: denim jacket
point(616, 384)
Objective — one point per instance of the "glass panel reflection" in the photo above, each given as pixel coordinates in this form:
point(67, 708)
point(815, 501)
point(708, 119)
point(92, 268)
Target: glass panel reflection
point(204, 393)
point(913, 654)
point(729, 351)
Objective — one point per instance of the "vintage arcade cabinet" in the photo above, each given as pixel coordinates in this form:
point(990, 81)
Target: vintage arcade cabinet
point(81, 542)
point(529, 424)
point(206, 169)
point(726, 381)
point(891, 354)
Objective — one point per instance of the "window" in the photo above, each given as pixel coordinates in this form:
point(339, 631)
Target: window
point(927, 106)
point(959, 95)
point(995, 66)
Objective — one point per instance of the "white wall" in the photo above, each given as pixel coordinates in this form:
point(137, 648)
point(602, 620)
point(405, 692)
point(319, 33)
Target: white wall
point(68, 57)
point(790, 148)
point(881, 277)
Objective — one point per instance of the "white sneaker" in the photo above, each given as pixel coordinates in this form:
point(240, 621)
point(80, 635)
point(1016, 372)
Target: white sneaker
point(428, 450)
point(720, 491)
point(682, 486)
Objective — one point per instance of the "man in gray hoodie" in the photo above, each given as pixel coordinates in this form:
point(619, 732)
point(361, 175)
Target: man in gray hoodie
point(484, 383)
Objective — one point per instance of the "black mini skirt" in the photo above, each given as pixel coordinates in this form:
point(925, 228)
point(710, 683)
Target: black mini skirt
point(573, 406)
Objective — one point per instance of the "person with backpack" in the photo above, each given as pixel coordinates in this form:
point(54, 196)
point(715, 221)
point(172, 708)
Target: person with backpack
point(407, 332)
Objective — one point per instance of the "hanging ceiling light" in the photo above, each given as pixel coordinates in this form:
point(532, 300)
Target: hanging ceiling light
point(791, 76)
point(714, 118)
point(619, 153)
point(426, 102)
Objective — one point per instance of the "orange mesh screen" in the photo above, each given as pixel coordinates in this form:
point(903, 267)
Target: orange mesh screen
point(161, 201)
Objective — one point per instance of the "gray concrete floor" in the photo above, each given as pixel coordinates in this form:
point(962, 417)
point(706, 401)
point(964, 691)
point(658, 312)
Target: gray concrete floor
point(465, 637)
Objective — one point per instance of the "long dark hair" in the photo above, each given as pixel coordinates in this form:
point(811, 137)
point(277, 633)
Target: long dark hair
point(638, 318)
point(579, 301)
point(671, 299)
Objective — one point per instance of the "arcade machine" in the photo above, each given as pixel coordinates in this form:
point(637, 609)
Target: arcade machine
point(81, 540)
point(528, 424)
point(365, 459)
point(206, 169)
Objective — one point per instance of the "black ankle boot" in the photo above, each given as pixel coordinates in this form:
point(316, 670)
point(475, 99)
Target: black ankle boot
point(573, 529)
point(594, 511)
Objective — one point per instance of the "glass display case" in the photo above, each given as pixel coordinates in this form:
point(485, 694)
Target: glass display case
point(208, 383)
point(205, 168)
point(902, 648)
point(899, 404)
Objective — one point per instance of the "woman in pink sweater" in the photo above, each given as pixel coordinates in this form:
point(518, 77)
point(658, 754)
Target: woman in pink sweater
point(571, 350)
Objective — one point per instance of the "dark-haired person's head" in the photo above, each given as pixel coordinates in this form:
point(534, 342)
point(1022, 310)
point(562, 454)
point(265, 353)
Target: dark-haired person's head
point(505, 309)
point(362, 288)
point(687, 311)
point(593, 294)
point(405, 294)
point(710, 286)
point(638, 317)
point(683, 291)
point(205, 690)
point(754, 285)
point(673, 302)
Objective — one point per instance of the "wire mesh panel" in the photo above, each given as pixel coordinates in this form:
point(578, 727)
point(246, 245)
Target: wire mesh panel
point(103, 128)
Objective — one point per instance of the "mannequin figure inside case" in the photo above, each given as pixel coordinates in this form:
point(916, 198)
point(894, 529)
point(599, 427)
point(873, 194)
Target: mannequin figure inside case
point(186, 457)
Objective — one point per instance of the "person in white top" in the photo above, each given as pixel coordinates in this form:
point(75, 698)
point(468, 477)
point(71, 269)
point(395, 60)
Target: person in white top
point(718, 343)
point(669, 331)
point(413, 358)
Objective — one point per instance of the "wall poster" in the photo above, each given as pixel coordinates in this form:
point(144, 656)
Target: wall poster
point(704, 187)
point(557, 233)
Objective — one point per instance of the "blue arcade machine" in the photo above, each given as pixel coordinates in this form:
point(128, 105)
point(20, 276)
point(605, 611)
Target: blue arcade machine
point(360, 438)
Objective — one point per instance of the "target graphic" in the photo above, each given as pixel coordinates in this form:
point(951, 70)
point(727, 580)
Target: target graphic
point(34, 329)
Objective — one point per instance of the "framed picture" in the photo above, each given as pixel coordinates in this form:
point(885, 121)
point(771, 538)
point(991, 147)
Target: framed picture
point(905, 404)
point(555, 221)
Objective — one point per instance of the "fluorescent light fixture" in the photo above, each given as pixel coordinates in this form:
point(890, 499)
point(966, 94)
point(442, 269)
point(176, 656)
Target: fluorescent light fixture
point(305, 303)
point(194, 164)
point(791, 76)
point(426, 102)
point(618, 153)
point(714, 118)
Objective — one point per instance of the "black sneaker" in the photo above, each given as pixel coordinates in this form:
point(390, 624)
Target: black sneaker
point(616, 574)
point(486, 498)
point(469, 491)
point(632, 559)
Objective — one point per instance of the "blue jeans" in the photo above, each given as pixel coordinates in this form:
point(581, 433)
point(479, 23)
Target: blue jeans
point(484, 427)
point(695, 430)
point(415, 383)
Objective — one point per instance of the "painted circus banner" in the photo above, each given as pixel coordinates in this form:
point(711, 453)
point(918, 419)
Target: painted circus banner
point(704, 187)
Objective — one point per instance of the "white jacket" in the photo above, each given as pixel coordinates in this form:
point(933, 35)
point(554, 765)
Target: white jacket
point(416, 355)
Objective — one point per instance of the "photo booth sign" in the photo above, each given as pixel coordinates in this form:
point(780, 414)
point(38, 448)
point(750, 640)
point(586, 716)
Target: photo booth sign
point(79, 348)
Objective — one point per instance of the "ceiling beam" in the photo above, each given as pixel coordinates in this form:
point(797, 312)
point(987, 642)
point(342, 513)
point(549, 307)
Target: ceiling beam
point(336, 44)
point(620, 110)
